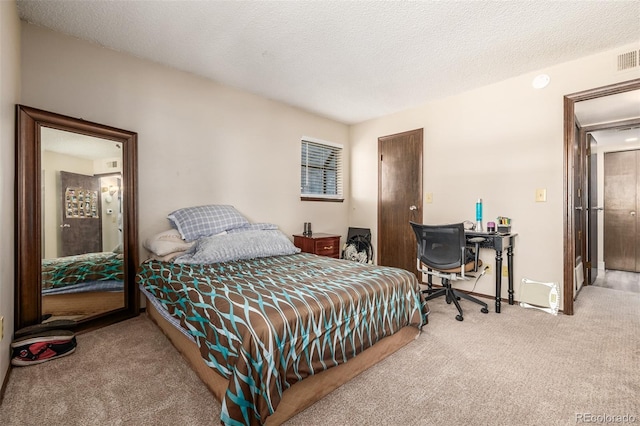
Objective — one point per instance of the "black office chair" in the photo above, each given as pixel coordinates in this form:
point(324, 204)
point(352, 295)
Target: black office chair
point(443, 253)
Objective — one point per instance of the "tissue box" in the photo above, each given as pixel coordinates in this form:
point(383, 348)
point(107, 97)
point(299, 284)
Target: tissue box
point(504, 229)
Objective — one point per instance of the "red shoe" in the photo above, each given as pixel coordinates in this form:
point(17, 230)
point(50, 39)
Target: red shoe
point(41, 347)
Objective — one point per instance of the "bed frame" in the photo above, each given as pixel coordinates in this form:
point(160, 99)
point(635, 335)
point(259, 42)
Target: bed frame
point(300, 395)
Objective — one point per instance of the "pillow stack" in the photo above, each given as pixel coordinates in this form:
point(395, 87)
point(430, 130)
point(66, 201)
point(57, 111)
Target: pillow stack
point(193, 223)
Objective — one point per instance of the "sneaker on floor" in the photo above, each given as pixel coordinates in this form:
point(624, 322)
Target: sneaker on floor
point(61, 324)
point(41, 347)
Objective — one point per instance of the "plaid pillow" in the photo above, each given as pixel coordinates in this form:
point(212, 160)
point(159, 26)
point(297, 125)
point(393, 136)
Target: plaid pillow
point(203, 221)
point(254, 227)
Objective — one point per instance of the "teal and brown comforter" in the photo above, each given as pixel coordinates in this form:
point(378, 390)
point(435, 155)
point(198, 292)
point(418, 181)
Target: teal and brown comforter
point(70, 270)
point(266, 323)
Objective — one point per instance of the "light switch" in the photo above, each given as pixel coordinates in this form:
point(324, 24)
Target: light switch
point(428, 197)
point(541, 195)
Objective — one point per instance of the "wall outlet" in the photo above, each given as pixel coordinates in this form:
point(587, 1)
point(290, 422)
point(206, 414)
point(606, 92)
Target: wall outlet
point(428, 197)
point(541, 195)
point(505, 271)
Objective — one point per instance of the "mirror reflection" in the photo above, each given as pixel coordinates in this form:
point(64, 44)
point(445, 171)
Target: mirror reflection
point(82, 229)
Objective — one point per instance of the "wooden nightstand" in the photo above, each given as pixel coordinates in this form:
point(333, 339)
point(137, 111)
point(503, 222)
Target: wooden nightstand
point(318, 243)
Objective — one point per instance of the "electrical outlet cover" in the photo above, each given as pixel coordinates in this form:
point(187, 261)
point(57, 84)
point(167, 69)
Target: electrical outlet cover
point(541, 195)
point(428, 198)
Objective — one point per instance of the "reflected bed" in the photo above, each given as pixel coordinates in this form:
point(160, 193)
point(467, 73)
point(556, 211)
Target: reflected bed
point(83, 284)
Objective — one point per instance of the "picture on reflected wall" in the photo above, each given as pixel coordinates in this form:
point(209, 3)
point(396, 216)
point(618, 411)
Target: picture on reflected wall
point(81, 203)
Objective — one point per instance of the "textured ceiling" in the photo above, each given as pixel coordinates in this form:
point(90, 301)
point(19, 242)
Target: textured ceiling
point(78, 145)
point(349, 61)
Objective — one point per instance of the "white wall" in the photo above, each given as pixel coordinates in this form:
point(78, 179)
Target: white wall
point(198, 142)
point(9, 97)
point(500, 142)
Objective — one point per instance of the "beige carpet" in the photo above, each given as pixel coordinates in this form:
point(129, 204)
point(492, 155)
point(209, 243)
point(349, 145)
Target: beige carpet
point(521, 367)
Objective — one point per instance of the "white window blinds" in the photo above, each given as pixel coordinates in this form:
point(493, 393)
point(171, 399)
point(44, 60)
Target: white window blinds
point(321, 170)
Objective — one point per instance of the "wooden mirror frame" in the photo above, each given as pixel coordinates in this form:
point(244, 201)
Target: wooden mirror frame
point(28, 226)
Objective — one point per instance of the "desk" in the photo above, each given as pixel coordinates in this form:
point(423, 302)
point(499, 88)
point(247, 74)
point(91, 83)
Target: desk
point(499, 243)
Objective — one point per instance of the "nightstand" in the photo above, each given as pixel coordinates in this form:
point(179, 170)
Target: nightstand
point(319, 243)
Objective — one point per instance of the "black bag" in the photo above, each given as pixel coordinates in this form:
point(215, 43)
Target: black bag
point(358, 247)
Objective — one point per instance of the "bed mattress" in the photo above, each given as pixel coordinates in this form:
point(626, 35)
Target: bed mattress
point(265, 324)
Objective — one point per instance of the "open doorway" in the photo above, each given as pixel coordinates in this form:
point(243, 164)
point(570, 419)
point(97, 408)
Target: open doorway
point(614, 226)
point(582, 110)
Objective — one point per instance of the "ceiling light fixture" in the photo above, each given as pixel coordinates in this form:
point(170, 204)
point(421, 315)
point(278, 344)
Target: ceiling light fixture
point(541, 81)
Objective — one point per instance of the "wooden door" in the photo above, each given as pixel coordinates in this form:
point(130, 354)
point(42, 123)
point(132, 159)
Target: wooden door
point(399, 198)
point(80, 230)
point(621, 200)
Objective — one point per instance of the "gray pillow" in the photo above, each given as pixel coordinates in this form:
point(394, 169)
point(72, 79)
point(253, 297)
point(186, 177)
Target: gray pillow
point(203, 221)
point(254, 227)
point(237, 246)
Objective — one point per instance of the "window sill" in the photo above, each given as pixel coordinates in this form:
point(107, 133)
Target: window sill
point(331, 200)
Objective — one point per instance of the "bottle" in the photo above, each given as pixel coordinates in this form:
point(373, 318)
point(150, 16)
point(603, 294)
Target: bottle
point(479, 215)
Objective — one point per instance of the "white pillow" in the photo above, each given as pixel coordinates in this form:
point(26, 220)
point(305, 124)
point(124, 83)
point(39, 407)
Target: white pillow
point(167, 242)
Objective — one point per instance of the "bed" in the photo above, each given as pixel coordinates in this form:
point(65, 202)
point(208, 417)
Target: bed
point(268, 329)
point(83, 284)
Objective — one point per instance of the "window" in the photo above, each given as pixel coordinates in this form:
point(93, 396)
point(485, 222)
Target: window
point(320, 171)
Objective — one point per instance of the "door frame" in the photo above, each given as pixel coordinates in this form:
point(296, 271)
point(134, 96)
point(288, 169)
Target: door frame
point(586, 131)
point(568, 208)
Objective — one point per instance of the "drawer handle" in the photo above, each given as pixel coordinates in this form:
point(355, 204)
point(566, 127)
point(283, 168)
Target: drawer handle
point(328, 247)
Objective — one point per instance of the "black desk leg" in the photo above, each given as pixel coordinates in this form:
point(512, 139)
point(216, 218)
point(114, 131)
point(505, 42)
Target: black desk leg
point(510, 264)
point(498, 279)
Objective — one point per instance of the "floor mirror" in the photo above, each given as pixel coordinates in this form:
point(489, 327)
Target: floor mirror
point(76, 221)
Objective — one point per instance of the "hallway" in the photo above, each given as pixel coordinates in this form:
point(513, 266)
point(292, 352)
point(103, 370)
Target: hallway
point(619, 280)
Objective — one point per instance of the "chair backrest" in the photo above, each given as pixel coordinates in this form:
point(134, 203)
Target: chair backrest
point(440, 246)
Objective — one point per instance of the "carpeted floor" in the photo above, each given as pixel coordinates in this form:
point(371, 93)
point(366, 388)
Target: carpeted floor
point(522, 366)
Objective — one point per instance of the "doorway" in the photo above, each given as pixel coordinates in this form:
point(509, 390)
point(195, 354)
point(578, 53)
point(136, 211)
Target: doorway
point(621, 199)
point(399, 198)
point(574, 207)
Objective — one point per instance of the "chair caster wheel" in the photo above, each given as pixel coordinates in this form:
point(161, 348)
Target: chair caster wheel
point(484, 310)
point(459, 317)
point(448, 302)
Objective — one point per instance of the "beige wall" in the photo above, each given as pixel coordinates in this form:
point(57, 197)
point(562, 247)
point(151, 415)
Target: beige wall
point(52, 164)
point(9, 97)
point(198, 142)
point(500, 142)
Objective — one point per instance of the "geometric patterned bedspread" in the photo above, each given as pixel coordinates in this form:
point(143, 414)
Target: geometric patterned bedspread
point(69, 270)
point(267, 323)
